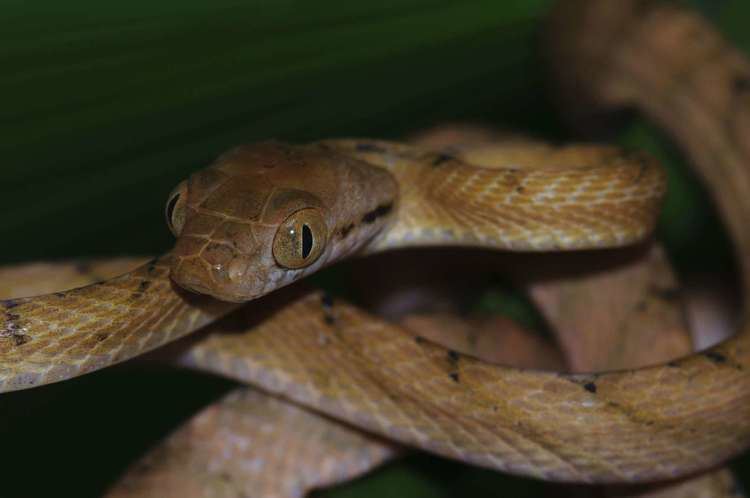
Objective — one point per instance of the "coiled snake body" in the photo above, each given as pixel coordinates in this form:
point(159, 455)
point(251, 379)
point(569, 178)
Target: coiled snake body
point(268, 214)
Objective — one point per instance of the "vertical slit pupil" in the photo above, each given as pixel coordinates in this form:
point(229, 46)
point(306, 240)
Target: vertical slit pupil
point(307, 241)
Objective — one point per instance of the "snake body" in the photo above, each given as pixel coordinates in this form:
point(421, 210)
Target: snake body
point(241, 234)
point(606, 200)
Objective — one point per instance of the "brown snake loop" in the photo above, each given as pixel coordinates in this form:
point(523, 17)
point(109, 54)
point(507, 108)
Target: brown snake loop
point(640, 425)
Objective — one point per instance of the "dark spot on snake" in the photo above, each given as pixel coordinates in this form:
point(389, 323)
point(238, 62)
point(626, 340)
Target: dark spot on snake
point(59, 294)
point(328, 318)
point(520, 190)
point(9, 304)
point(13, 330)
point(326, 300)
point(365, 147)
point(142, 287)
point(454, 376)
point(585, 381)
point(673, 364)
point(378, 212)
point(741, 84)
point(453, 356)
point(20, 339)
point(419, 339)
point(442, 158)
point(101, 336)
point(715, 357)
point(590, 387)
point(345, 231)
point(151, 268)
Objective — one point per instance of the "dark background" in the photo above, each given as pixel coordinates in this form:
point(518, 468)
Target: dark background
point(105, 106)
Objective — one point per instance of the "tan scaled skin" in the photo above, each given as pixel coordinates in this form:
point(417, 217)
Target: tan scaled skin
point(638, 425)
point(608, 433)
point(581, 450)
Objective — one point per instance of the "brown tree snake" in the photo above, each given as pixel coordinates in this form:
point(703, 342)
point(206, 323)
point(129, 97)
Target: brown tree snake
point(265, 215)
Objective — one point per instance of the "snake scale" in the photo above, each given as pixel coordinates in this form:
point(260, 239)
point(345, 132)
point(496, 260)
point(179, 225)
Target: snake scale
point(265, 215)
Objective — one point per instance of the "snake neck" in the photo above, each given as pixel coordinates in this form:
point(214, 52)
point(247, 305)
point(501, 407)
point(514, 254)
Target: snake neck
point(582, 197)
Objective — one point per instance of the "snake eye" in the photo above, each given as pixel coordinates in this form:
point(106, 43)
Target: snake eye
point(175, 210)
point(300, 239)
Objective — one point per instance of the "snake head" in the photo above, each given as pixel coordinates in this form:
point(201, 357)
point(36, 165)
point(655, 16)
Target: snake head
point(259, 218)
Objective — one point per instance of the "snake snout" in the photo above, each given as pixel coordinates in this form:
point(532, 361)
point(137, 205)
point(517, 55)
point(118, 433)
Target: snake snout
point(217, 270)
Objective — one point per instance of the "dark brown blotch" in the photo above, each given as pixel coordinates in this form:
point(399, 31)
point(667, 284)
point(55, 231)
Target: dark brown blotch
point(378, 212)
point(20, 339)
point(715, 357)
point(441, 159)
point(9, 304)
point(142, 287)
point(346, 230)
point(453, 356)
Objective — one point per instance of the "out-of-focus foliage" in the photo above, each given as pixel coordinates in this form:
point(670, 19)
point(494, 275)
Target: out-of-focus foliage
point(104, 106)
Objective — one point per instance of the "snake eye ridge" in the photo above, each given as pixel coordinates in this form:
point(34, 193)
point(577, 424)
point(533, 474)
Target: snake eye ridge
point(300, 239)
point(175, 210)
